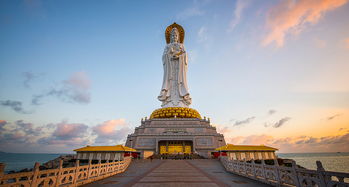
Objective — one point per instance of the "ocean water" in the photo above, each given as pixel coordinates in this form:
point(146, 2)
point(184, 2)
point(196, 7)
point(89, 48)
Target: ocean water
point(19, 161)
point(330, 161)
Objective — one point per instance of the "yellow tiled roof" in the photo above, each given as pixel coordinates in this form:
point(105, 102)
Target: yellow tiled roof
point(231, 147)
point(106, 148)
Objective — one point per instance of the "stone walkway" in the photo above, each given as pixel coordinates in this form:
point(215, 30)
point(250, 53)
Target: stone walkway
point(175, 173)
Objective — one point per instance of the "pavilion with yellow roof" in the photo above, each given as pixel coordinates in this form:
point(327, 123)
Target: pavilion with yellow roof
point(116, 152)
point(246, 152)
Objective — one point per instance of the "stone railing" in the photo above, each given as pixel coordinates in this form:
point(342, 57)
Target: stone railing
point(72, 176)
point(276, 175)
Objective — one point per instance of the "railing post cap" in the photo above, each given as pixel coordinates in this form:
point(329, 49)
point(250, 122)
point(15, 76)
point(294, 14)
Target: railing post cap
point(319, 166)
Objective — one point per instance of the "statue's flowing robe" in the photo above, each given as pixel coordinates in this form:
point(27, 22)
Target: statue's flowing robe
point(169, 67)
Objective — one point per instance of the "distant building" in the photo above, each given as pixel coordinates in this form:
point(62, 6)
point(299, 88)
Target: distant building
point(116, 152)
point(247, 152)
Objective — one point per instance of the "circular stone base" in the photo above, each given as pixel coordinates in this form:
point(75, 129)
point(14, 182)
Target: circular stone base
point(175, 112)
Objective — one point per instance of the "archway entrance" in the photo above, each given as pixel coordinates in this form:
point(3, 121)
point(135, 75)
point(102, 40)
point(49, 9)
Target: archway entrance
point(175, 147)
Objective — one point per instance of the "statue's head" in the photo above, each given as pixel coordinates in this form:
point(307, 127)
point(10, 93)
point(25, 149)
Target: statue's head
point(174, 35)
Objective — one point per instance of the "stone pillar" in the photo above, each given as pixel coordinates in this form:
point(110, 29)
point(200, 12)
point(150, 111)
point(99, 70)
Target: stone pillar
point(248, 155)
point(274, 156)
point(2, 169)
point(99, 167)
point(238, 155)
point(77, 165)
point(183, 146)
point(263, 156)
point(256, 156)
point(89, 169)
point(323, 178)
point(58, 179)
point(35, 174)
point(167, 146)
point(295, 174)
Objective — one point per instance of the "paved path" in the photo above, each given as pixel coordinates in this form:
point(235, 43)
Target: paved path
point(176, 173)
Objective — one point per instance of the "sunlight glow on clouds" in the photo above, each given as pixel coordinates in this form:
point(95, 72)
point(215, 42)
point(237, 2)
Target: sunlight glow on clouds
point(297, 144)
point(111, 131)
point(66, 135)
point(291, 17)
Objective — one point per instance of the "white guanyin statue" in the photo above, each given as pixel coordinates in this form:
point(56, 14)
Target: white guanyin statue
point(174, 91)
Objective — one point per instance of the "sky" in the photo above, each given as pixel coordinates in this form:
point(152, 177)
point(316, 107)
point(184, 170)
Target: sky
point(77, 73)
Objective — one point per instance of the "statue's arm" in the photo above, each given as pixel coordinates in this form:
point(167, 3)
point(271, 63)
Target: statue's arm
point(185, 57)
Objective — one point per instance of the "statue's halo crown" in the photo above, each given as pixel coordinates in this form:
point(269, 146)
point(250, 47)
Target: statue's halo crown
point(180, 31)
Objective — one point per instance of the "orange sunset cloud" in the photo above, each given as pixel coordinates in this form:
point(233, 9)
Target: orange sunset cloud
point(291, 17)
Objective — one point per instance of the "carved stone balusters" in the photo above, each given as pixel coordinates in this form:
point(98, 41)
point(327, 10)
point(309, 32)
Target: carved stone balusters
point(107, 166)
point(89, 169)
point(295, 174)
point(277, 171)
point(264, 176)
point(77, 165)
point(99, 167)
point(253, 169)
point(245, 167)
point(59, 174)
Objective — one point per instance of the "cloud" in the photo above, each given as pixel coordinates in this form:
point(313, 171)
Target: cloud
point(111, 131)
point(291, 17)
point(194, 10)
point(297, 144)
point(2, 124)
point(190, 12)
point(222, 129)
point(239, 8)
point(66, 131)
point(28, 78)
point(332, 117)
point(14, 105)
point(252, 140)
point(281, 122)
point(246, 121)
point(271, 112)
point(67, 134)
point(24, 133)
point(18, 132)
point(74, 90)
point(21, 136)
point(202, 34)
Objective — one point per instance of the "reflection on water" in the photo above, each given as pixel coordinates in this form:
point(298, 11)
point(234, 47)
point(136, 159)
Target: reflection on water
point(331, 161)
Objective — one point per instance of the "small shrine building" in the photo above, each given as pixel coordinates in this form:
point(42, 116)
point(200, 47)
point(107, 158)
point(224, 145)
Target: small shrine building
point(247, 152)
point(104, 153)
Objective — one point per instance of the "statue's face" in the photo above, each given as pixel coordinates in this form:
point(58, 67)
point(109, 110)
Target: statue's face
point(174, 35)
